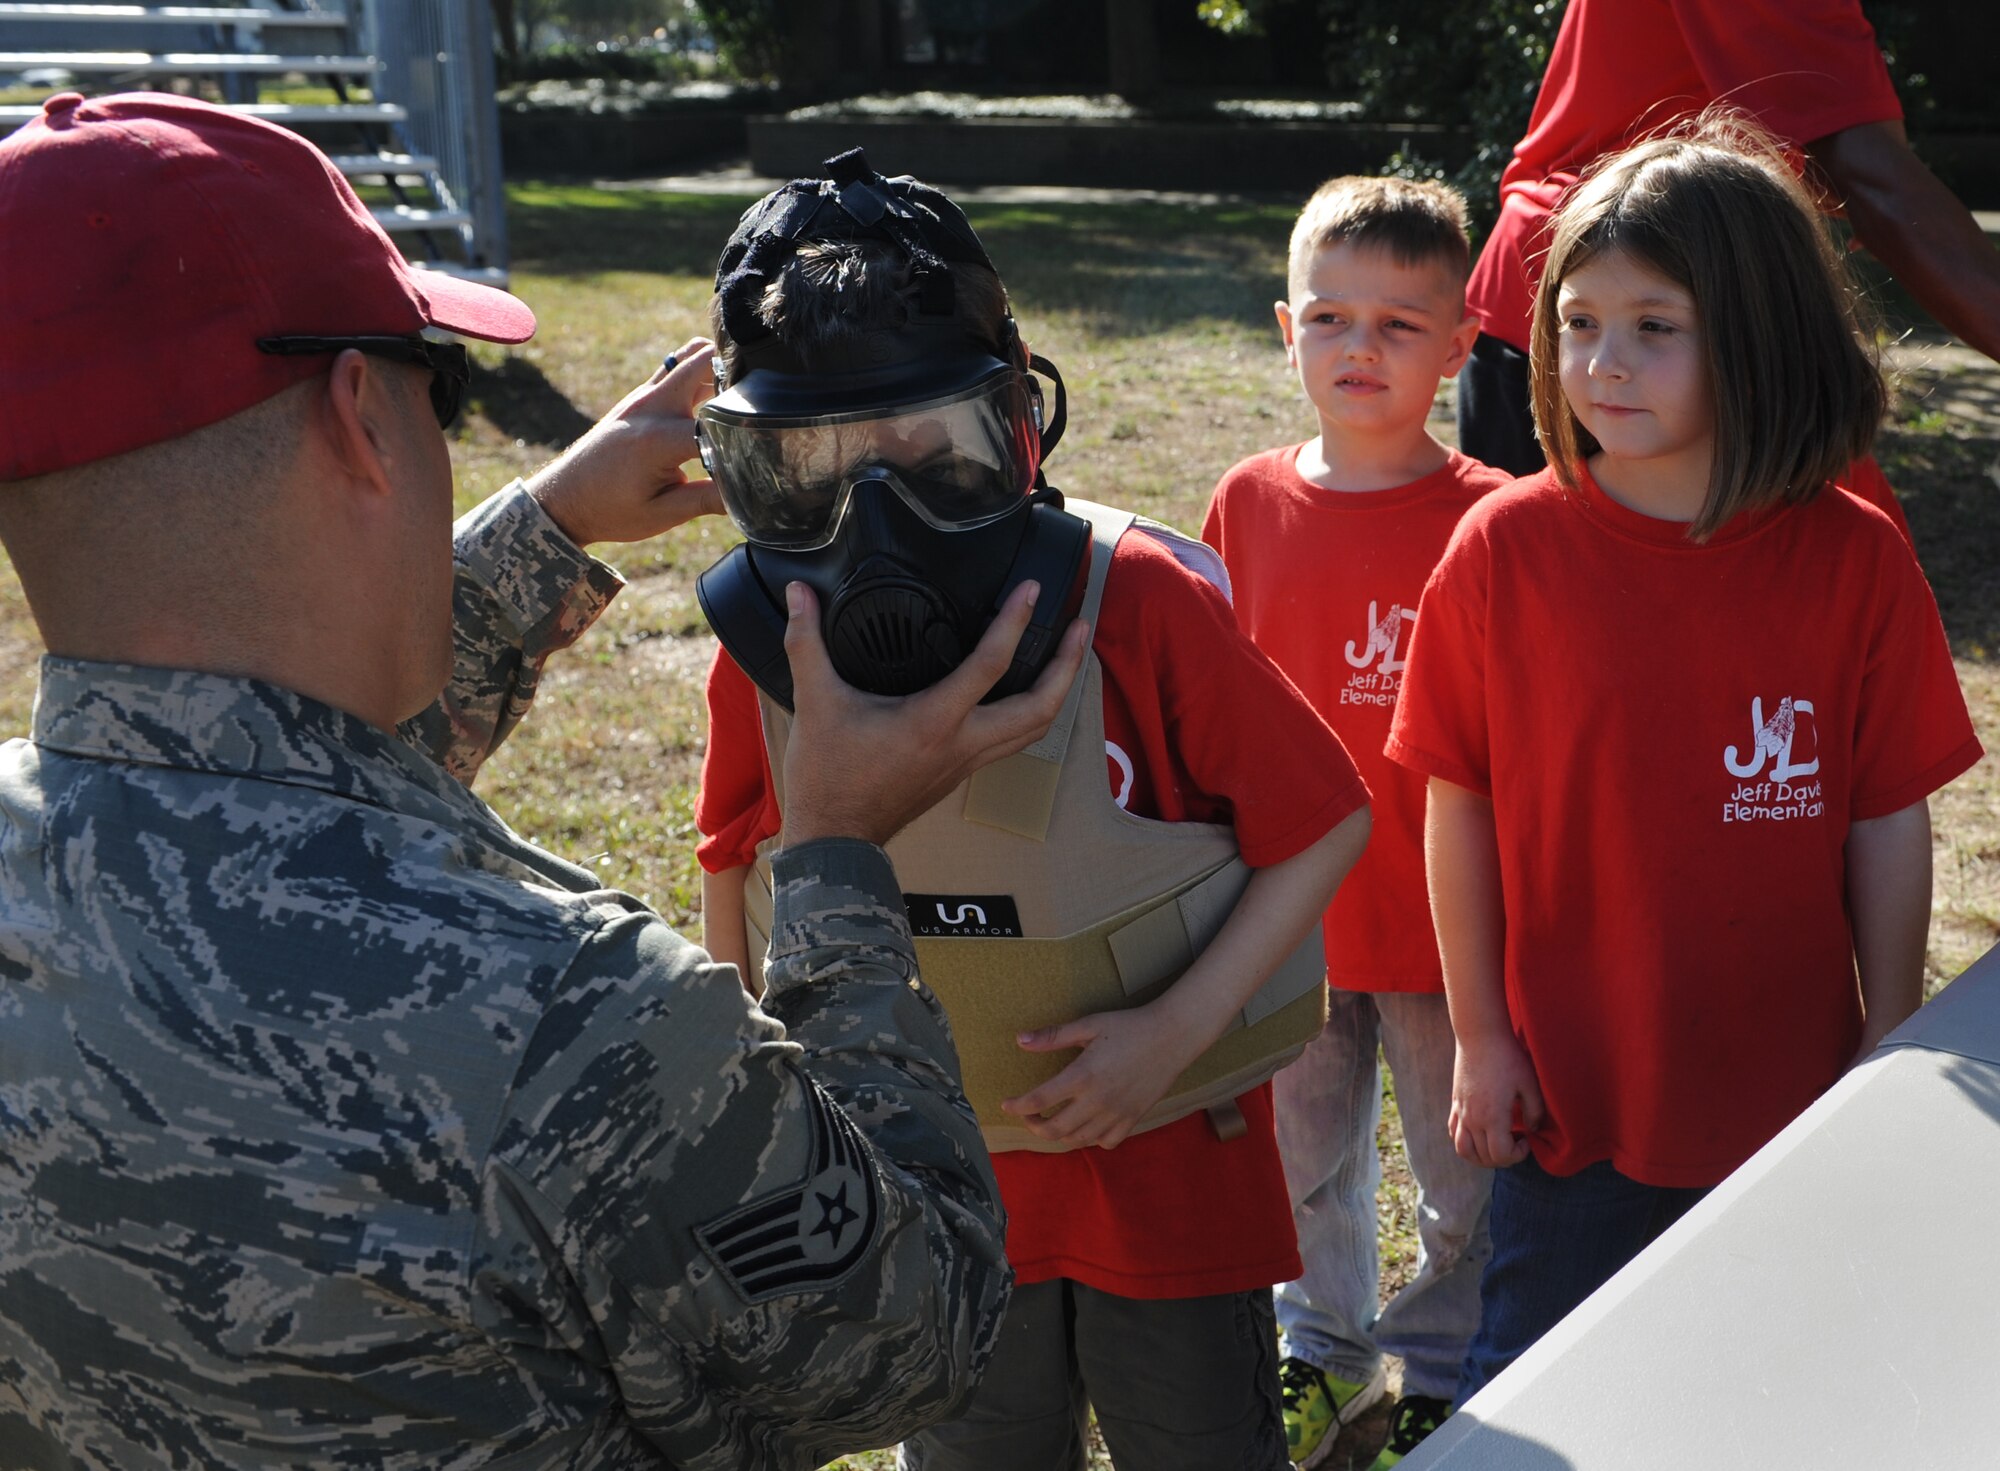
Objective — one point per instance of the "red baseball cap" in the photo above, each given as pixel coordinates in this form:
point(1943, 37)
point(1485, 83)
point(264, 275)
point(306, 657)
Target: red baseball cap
point(147, 241)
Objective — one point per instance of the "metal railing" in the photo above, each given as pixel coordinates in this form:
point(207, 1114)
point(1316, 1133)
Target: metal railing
point(437, 63)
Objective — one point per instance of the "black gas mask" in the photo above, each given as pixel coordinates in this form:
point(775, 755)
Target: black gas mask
point(896, 473)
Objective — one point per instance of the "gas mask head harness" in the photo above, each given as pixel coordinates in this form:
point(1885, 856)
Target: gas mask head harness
point(895, 468)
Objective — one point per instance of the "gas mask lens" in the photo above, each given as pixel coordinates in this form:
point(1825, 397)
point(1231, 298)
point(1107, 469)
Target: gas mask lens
point(958, 462)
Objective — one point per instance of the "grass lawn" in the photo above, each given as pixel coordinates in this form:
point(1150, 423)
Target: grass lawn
point(1160, 317)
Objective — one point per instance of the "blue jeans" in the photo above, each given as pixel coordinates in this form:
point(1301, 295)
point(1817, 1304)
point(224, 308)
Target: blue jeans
point(1556, 1240)
point(1328, 1104)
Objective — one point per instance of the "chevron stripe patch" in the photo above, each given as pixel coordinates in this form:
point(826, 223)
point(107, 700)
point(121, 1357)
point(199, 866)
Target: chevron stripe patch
point(805, 1237)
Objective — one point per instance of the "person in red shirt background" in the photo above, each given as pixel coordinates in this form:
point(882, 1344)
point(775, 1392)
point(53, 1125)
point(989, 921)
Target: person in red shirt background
point(1328, 546)
point(1809, 72)
point(1143, 1271)
point(1680, 704)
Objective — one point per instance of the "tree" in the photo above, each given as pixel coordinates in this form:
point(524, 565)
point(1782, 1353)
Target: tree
point(1135, 49)
point(749, 35)
point(517, 22)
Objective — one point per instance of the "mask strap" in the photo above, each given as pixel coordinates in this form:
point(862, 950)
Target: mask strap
point(1052, 431)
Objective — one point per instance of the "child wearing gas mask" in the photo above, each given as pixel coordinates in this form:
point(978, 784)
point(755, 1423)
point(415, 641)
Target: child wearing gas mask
point(1166, 850)
point(1328, 545)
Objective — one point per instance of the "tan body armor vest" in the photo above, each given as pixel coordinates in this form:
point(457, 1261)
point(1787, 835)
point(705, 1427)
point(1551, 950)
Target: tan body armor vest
point(1035, 899)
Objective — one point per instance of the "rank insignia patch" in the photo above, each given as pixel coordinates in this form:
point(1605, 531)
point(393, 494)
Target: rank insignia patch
point(806, 1236)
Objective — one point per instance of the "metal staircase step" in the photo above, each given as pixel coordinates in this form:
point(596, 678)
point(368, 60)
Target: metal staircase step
point(382, 165)
point(484, 275)
point(249, 17)
point(404, 218)
point(187, 63)
point(283, 114)
point(286, 114)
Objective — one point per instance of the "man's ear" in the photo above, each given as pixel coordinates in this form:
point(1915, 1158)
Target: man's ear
point(1284, 311)
point(356, 413)
point(1462, 337)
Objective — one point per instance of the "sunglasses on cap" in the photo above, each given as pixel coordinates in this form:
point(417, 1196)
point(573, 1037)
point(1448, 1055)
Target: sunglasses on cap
point(449, 362)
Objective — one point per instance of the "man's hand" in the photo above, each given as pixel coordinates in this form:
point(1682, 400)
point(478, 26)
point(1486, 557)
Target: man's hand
point(863, 766)
point(623, 480)
point(1492, 1087)
point(1129, 1060)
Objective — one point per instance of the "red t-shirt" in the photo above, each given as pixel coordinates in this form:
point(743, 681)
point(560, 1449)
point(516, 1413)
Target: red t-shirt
point(1199, 727)
point(1326, 582)
point(1864, 480)
point(1621, 69)
point(1675, 738)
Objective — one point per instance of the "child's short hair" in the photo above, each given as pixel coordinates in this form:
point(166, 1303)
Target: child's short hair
point(1797, 393)
point(833, 290)
point(1417, 223)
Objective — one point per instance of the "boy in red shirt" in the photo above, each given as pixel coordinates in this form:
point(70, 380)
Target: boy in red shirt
point(1143, 1272)
point(1328, 546)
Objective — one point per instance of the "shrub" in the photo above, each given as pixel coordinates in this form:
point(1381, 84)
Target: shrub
point(1474, 63)
point(749, 40)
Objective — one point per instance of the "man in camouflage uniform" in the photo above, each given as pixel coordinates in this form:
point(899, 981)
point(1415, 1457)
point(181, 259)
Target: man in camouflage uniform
point(339, 1125)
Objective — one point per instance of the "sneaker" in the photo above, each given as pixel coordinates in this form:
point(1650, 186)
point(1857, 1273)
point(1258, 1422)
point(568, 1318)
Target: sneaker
point(1417, 1415)
point(1317, 1404)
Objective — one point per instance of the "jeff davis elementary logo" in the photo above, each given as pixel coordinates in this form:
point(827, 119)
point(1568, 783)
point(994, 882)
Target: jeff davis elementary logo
point(1776, 777)
point(1384, 646)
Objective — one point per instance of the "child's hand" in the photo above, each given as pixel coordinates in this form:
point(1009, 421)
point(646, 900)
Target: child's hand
point(1495, 1101)
point(1129, 1060)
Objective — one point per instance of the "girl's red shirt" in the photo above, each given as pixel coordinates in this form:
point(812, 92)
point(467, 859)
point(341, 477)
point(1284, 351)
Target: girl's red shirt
point(1676, 737)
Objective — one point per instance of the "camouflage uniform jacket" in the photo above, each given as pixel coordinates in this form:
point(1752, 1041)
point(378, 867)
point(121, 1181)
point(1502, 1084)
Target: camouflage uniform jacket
point(341, 1126)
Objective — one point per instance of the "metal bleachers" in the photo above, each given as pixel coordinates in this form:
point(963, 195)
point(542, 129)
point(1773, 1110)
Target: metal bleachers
point(398, 92)
point(136, 64)
point(249, 17)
